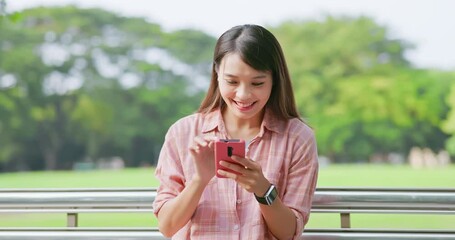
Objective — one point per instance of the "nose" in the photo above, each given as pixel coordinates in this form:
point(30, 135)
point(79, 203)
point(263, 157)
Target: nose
point(243, 91)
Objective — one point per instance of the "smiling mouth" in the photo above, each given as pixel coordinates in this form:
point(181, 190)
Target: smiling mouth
point(244, 106)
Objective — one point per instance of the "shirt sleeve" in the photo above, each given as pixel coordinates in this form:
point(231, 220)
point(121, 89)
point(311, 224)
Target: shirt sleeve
point(169, 171)
point(302, 178)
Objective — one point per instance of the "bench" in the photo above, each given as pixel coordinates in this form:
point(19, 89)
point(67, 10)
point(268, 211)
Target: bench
point(342, 201)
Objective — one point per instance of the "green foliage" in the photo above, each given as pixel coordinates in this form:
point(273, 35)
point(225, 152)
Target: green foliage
point(449, 122)
point(81, 84)
point(81, 78)
point(359, 92)
point(201, 48)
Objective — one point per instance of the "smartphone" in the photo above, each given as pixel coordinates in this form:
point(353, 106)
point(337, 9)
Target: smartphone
point(224, 149)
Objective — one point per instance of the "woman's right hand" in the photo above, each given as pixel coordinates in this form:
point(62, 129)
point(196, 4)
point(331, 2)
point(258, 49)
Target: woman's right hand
point(202, 150)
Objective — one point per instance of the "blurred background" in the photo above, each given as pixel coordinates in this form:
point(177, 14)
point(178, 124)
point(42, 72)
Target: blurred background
point(88, 89)
point(96, 84)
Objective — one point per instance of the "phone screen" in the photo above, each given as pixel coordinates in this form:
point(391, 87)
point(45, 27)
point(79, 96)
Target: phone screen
point(224, 149)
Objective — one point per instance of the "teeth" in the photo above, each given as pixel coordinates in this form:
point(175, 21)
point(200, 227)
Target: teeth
point(244, 105)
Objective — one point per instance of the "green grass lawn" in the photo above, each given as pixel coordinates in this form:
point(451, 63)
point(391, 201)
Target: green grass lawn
point(332, 176)
point(141, 177)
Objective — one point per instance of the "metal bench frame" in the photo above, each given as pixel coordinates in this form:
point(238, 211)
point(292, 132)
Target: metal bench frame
point(343, 201)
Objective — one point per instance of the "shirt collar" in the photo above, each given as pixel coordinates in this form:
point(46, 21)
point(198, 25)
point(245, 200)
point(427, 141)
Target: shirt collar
point(212, 121)
point(272, 123)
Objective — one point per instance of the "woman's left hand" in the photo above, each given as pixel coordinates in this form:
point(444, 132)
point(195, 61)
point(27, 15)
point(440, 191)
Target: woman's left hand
point(249, 176)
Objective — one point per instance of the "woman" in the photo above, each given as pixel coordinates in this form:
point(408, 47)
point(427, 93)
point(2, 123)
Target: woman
point(250, 98)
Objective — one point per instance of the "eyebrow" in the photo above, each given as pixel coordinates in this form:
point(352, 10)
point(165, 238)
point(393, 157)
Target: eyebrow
point(235, 76)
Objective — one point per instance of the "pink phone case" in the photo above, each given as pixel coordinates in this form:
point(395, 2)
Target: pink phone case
point(224, 149)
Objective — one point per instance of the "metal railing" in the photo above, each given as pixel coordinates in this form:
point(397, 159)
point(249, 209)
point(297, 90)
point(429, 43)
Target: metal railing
point(344, 201)
point(382, 200)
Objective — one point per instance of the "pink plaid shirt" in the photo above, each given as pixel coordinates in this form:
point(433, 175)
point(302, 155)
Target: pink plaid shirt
point(288, 157)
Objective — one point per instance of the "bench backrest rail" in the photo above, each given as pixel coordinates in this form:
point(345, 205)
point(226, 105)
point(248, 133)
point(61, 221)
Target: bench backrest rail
point(154, 234)
point(326, 200)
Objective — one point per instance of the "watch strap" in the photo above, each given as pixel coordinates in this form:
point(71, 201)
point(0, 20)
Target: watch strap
point(269, 196)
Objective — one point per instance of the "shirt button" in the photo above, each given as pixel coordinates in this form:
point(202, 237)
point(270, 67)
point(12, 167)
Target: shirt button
point(239, 201)
point(236, 227)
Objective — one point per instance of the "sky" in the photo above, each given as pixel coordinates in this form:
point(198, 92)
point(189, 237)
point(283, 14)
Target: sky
point(428, 24)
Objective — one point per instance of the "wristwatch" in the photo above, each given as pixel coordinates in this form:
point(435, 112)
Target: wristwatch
point(269, 196)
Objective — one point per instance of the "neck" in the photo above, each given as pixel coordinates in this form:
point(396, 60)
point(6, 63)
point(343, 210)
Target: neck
point(242, 128)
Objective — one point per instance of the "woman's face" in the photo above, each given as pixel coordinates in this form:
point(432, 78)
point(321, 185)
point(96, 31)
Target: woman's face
point(244, 89)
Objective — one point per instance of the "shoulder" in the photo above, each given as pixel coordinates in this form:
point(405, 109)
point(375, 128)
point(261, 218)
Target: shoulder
point(185, 124)
point(299, 130)
point(188, 120)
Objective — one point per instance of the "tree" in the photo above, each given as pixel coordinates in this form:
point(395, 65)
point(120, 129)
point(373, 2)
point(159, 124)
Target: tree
point(358, 91)
point(81, 84)
point(448, 125)
point(81, 79)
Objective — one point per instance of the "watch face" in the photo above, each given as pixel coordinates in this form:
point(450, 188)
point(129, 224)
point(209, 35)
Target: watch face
point(271, 195)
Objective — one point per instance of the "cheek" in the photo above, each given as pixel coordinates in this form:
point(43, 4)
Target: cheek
point(224, 91)
point(265, 94)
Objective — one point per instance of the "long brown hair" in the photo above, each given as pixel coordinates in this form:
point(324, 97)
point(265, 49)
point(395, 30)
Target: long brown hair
point(261, 50)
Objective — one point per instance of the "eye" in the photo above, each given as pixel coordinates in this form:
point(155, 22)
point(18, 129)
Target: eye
point(230, 82)
point(256, 84)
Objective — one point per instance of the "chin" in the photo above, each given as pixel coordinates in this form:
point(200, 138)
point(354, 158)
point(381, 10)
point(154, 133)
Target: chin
point(247, 115)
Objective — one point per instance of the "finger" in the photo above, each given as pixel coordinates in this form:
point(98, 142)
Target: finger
point(200, 141)
point(205, 140)
point(210, 138)
point(227, 174)
point(211, 143)
point(194, 149)
point(247, 163)
point(235, 167)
